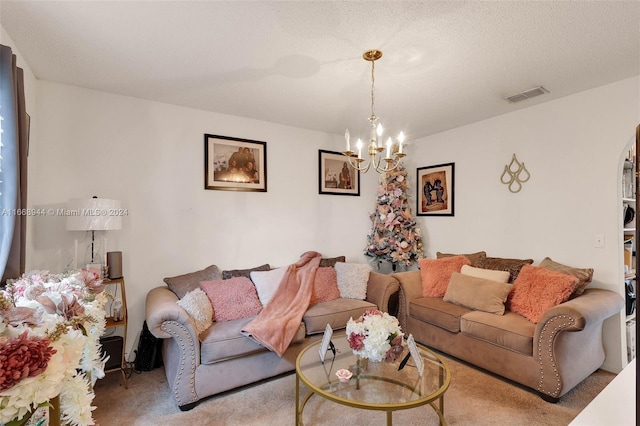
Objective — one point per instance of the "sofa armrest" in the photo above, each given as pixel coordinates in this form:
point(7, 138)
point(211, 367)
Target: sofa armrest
point(568, 340)
point(380, 288)
point(160, 307)
point(410, 288)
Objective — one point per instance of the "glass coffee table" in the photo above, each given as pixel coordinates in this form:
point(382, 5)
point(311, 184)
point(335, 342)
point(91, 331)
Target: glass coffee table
point(374, 385)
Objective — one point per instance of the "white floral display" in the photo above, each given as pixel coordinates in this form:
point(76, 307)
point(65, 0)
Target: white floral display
point(65, 314)
point(375, 335)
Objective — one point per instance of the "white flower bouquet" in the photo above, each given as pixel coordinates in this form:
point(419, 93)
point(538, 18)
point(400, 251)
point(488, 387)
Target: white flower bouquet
point(375, 335)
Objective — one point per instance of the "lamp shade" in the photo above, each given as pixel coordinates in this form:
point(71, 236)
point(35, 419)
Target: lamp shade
point(93, 214)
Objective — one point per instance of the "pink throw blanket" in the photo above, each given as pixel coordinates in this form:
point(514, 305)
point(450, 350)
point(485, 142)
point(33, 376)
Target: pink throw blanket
point(278, 322)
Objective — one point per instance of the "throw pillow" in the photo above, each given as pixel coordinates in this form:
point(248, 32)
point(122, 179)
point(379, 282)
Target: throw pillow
point(331, 261)
point(198, 306)
point(352, 279)
point(537, 289)
point(244, 272)
point(267, 282)
point(182, 284)
point(487, 274)
point(325, 286)
point(584, 275)
point(473, 257)
point(477, 293)
point(436, 273)
point(232, 299)
point(503, 264)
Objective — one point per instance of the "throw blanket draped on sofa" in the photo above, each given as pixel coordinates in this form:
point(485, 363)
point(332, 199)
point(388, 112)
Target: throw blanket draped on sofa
point(278, 322)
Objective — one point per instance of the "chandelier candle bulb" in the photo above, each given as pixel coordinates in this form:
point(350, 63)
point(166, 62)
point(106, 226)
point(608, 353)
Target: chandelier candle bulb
point(347, 137)
point(359, 145)
point(389, 148)
point(400, 141)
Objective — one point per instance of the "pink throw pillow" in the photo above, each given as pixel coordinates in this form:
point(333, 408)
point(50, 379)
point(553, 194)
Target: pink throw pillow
point(232, 299)
point(325, 286)
point(537, 289)
point(436, 274)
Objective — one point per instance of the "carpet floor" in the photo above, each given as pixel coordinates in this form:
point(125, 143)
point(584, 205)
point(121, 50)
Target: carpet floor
point(474, 397)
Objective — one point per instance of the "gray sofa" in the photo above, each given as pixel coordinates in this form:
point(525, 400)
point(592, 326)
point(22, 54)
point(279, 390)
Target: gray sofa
point(221, 358)
point(550, 357)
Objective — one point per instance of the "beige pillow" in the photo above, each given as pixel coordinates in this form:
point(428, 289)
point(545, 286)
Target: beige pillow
point(487, 274)
point(477, 293)
point(584, 275)
point(198, 306)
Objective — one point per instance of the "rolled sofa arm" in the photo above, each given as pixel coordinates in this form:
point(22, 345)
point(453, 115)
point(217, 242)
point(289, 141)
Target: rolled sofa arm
point(410, 288)
point(568, 340)
point(380, 288)
point(160, 307)
point(167, 320)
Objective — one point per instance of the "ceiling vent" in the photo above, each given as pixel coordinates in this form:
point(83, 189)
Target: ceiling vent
point(536, 91)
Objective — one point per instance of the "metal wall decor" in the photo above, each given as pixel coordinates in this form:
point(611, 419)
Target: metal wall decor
point(515, 174)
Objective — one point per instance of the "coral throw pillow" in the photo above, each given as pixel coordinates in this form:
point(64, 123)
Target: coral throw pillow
point(325, 286)
point(436, 274)
point(537, 289)
point(232, 299)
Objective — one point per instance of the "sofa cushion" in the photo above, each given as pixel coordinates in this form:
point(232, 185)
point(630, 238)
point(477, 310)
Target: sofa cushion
point(232, 299)
point(267, 282)
point(183, 284)
point(538, 289)
point(436, 273)
point(487, 274)
point(224, 340)
point(584, 275)
point(510, 330)
point(352, 279)
point(473, 257)
point(244, 272)
point(435, 311)
point(331, 261)
point(325, 286)
point(513, 266)
point(198, 306)
point(336, 313)
point(477, 293)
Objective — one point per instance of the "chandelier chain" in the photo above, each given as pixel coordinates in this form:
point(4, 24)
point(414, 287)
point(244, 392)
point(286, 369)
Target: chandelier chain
point(373, 93)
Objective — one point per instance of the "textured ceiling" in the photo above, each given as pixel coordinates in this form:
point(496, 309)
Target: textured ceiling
point(445, 64)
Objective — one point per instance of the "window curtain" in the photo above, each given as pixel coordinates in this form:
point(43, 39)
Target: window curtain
point(13, 167)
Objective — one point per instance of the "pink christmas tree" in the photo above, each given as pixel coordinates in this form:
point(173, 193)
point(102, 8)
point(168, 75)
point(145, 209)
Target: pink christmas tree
point(395, 236)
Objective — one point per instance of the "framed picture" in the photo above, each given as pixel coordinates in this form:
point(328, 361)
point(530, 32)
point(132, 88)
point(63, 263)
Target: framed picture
point(234, 164)
point(435, 190)
point(336, 176)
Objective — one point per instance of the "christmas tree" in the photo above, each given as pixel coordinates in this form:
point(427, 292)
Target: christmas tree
point(395, 236)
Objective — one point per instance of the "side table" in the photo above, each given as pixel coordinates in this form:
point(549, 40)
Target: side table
point(119, 322)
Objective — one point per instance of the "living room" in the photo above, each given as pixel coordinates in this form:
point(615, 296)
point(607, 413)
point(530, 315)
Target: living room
point(150, 156)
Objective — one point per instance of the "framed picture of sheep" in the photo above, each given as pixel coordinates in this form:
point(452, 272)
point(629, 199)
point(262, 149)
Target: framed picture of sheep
point(234, 164)
point(335, 175)
point(435, 190)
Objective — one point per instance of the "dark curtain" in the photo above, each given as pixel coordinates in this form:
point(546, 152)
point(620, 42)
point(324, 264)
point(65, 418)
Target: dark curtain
point(13, 167)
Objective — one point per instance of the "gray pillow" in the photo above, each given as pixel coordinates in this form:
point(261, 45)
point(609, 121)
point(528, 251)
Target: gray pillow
point(183, 284)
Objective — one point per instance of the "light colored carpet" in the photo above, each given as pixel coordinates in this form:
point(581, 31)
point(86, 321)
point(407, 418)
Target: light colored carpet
point(474, 398)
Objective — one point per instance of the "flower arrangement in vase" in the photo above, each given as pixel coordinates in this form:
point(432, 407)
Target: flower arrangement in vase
point(376, 336)
point(50, 326)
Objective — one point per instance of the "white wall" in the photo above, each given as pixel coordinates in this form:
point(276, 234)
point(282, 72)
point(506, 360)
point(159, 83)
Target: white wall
point(573, 147)
point(151, 157)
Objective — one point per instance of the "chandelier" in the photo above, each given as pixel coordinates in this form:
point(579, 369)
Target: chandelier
point(381, 163)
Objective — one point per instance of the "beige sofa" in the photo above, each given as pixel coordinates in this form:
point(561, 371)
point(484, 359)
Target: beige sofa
point(550, 357)
point(221, 358)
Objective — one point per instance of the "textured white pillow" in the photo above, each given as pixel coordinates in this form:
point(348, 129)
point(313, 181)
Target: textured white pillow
point(198, 306)
point(487, 274)
point(352, 279)
point(267, 282)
